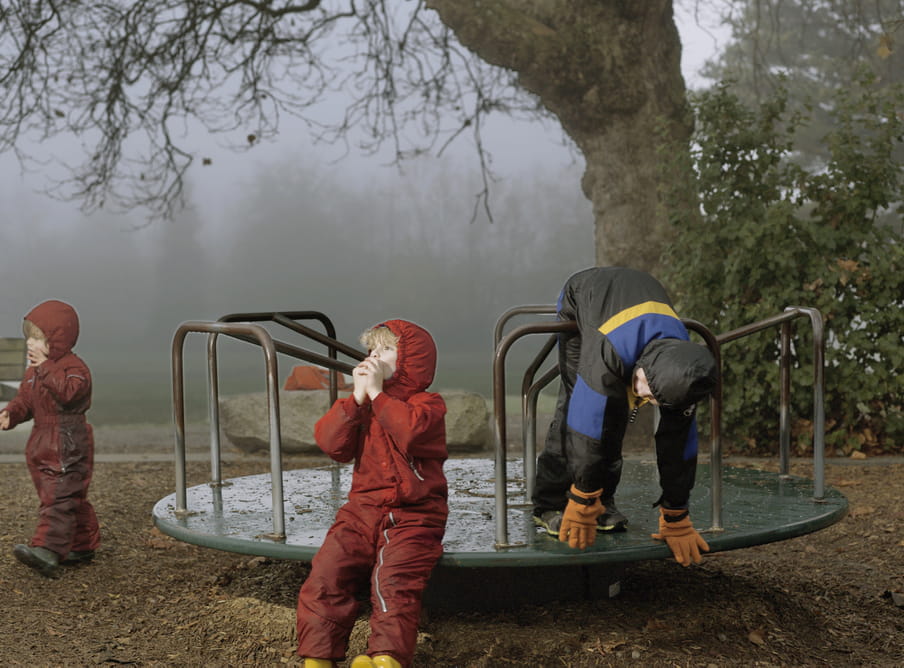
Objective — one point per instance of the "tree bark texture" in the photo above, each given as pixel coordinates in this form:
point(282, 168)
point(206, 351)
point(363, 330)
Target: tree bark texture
point(610, 70)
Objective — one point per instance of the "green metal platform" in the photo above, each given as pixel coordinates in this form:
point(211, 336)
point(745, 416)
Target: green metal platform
point(759, 507)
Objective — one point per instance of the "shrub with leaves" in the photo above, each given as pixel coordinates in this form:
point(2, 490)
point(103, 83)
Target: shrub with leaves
point(768, 234)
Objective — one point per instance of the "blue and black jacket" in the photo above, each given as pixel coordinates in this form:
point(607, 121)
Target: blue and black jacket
point(626, 320)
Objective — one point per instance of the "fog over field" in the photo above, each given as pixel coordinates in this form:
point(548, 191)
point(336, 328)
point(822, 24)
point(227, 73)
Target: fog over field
point(289, 231)
point(293, 225)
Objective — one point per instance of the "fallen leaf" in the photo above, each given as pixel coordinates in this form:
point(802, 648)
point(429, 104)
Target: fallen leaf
point(846, 483)
point(757, 637)
point(860, 511)
point(160, 543)
point(856, 454)
point(655, 625)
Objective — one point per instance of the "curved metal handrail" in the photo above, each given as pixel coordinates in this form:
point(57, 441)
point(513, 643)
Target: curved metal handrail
point(239, 326)
point(816, 324)
point(501, 473)
point(263, 338)
point(286, 319)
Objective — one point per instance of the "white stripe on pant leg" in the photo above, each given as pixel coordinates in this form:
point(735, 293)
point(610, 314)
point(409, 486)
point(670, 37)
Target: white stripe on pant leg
point(376, 585)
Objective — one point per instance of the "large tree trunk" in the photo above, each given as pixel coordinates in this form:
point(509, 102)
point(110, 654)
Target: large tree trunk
point(610, 70)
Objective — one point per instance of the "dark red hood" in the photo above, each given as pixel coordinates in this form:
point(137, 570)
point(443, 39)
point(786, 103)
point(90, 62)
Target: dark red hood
point(59, 322)
point(417, 359)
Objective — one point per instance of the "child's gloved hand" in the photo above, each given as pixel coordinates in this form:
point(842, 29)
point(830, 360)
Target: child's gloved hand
point(679, 534)
point(578, 526)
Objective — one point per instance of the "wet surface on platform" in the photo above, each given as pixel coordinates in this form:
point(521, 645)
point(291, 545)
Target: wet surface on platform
point(758, 507)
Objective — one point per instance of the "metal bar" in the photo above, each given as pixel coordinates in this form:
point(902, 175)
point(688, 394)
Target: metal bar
point(756, 327)
point(816, 323)
point(784, 416)
point(528, 424)
point(179, 419)
point(276, 489)
point(529, 437)
point(213, 408)
point(332, 347)
point(531, 370)
point(329, 340)
point(288, 319)
point(295, 351)
point(539, 309)
point(501, 474)
point(819, 389)
point(715, 415)
point(264, 316)
point(247, 330)
point(528, 427)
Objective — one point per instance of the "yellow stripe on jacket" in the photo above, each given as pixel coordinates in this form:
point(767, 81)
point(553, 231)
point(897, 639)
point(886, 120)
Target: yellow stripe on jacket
point(635, 311)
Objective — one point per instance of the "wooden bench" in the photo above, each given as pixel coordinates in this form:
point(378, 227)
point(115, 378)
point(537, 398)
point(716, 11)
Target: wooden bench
point(12, 366)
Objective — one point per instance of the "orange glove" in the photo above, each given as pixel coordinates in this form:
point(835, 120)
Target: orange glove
point(579, 519)
point(679, 534)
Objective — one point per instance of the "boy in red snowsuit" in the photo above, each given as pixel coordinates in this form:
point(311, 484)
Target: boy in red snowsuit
point(391, 529)
point(56, 393)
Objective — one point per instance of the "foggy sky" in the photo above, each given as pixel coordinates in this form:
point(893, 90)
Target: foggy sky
point(134, 283)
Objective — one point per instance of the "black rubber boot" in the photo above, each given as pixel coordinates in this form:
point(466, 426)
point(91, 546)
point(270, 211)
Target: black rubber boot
point(78, 556)
point(44, 561)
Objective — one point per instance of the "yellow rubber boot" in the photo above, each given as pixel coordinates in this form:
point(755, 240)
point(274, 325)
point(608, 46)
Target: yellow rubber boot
point(379, 661)
point(319, 663)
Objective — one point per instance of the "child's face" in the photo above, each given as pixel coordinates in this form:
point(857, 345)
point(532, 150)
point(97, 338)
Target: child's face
point(37, 349)
point(388, 354)
point(642, 386)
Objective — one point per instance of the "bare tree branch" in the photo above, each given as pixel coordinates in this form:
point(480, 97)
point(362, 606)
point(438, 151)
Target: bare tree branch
point(135, 82)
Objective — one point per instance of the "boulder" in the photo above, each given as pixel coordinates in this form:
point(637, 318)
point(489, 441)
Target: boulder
point(244, 419)
point(467, 422)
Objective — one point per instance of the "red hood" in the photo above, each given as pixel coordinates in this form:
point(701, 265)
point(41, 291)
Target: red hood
point(416, 364)
point(59, 322)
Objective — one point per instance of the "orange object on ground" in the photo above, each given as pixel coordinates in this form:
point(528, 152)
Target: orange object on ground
point(314, 378)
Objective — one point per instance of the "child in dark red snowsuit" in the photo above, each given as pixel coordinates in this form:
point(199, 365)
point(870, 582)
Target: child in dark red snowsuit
point(391, 529)
point(56, 393)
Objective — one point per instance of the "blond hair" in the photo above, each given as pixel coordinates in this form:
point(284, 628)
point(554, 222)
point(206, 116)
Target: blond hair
point(379, 335)
point(32, 331)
